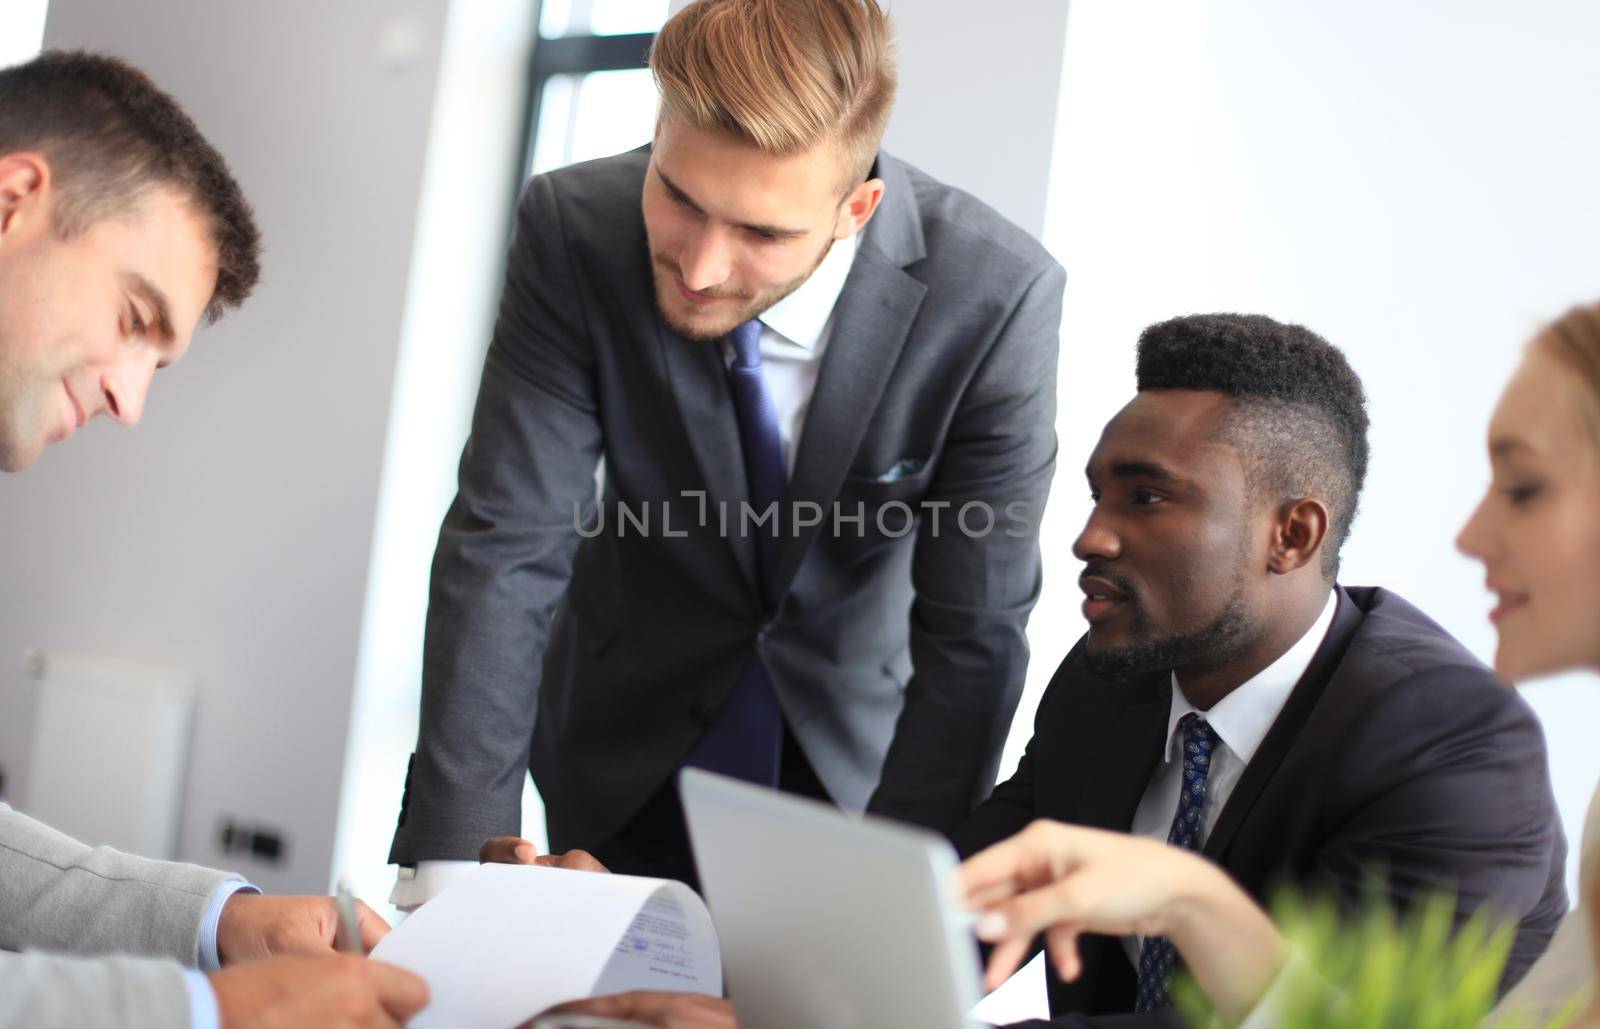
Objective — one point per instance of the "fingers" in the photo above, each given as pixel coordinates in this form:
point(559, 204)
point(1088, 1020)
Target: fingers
point(603, 1007)
point(507, 850)
point(582, 861)
point(667, 1008)
point(1028, 914)
point(1040, 853)
point(1061, 941)
point(1005, 959)
point(371, 924)
point(401, 993)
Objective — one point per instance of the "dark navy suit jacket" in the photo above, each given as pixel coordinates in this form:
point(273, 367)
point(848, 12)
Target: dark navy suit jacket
point(1397, 751)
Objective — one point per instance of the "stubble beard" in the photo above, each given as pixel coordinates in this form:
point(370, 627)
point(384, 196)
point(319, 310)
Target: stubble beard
point(22, 417)
point(1228, 636)
point(664, 270)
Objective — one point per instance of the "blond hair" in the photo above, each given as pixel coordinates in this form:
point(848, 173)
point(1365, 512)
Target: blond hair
point(1574, 340)
point(782, 75)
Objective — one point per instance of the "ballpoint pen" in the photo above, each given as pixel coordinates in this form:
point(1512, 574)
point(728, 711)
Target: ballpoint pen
point(349, 931)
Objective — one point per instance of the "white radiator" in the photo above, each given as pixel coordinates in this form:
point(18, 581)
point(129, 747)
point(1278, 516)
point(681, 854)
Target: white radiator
point(109, 751)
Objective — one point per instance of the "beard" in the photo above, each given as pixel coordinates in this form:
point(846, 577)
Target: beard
point(1225, 639)
point(757, 302)
point(24, 416)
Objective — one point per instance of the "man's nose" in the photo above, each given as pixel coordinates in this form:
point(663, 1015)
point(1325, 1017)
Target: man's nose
point(1097, 540)
point(125, 387)
point(706, 262)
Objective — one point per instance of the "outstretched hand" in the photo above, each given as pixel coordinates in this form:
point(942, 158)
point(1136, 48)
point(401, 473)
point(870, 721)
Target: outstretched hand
point(339, 991)
point(1065, 880)
point(514, 850)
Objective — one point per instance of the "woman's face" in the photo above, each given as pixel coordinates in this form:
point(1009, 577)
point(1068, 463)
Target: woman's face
point(1537, 530)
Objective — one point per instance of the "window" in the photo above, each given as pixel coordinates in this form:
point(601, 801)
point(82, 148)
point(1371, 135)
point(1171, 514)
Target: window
point(590, 94)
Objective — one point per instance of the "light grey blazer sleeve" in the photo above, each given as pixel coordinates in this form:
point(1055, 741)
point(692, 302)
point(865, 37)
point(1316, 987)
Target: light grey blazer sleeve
point(45, 991)
point(58, 895)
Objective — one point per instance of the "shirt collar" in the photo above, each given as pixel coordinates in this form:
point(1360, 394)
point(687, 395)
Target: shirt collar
point(1242, 718)
point(802, 316)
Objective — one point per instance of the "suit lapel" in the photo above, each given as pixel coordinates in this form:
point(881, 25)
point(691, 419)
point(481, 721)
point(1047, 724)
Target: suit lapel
point(1275, 746)
point(1115, 771)
point(698, 382)
point(870, 324)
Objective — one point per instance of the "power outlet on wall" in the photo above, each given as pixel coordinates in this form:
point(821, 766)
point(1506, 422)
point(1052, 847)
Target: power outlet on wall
point(263, 843)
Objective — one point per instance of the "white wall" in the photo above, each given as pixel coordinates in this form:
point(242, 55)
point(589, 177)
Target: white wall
point(456, 269)
point(24, 29)
point(229, 534)
point(979, 87)
point(1415, 181)
point(978, 96)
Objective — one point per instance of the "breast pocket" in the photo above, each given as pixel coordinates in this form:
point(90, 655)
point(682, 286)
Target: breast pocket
point(874, 511)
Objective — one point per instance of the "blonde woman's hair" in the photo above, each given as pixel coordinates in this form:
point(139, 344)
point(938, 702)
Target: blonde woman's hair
point(783, 75)
point(1574, 340)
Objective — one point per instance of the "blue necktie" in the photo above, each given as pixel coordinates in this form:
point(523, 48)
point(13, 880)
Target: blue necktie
point(1157, 955)
point(746, 739)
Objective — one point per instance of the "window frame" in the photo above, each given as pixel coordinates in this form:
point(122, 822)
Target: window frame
point(572, 55)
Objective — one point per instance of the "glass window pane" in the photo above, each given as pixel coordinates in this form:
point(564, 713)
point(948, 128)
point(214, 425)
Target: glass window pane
point(582, 117)
point(555, 19)
point(600, 17)
point(552, 136)
point(615, 17)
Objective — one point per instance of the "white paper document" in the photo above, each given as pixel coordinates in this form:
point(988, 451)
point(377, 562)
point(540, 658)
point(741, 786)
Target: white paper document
point(509, 941)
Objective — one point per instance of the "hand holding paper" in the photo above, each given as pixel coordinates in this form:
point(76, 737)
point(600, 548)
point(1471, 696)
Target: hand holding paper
point(510, 941)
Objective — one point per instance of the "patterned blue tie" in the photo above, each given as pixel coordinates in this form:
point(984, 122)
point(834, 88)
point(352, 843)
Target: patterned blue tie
point(746, 739)
point(1156, 955)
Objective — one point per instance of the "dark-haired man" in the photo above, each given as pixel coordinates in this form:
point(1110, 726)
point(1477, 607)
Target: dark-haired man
point(120, 228)
point(1231, 697)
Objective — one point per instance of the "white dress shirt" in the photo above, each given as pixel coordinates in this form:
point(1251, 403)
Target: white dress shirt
point(794, 334)
point(1240, 720)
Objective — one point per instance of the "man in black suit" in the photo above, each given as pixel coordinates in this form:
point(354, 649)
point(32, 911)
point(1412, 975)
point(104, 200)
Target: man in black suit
point(1232, 698)
point(764, 312)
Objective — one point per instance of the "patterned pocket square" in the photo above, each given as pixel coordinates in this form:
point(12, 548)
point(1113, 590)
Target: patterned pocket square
point(901, 470)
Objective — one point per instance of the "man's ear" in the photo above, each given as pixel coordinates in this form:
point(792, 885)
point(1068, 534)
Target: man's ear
point(24, 184)
point(858, 208)
point(1298, 533)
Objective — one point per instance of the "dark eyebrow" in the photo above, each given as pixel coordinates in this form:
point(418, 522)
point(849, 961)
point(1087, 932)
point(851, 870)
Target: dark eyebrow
point(1142, 470)
point(1506, 446)
point(157, 300)
point(683, 198)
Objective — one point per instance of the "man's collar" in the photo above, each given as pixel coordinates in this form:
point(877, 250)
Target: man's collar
point(1242, 718)
point(802, 316)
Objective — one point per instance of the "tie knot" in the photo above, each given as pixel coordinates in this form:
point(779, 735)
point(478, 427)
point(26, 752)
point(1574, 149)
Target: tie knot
point(746, 341)
point(1198, 736)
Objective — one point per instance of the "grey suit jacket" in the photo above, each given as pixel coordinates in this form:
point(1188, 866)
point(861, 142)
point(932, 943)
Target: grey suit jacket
point(897, 651)
point(62, 897)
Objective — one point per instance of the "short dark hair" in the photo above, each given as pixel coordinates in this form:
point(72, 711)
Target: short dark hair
point(111, 135)
point(1299, 416)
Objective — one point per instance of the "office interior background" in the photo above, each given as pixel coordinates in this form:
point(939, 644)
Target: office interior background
point(1417, 182)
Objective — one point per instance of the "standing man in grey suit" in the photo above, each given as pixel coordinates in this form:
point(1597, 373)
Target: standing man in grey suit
point(120, 228)
point(822, 386)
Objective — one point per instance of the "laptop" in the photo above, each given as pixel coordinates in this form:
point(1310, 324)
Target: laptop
point(828, 920)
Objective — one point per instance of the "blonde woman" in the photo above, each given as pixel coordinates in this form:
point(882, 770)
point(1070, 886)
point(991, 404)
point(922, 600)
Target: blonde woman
point(1538, 536)
point(1537, 532)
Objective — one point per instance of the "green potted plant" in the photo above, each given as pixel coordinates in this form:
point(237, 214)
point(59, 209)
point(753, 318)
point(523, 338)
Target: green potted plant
point(1376, 970)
